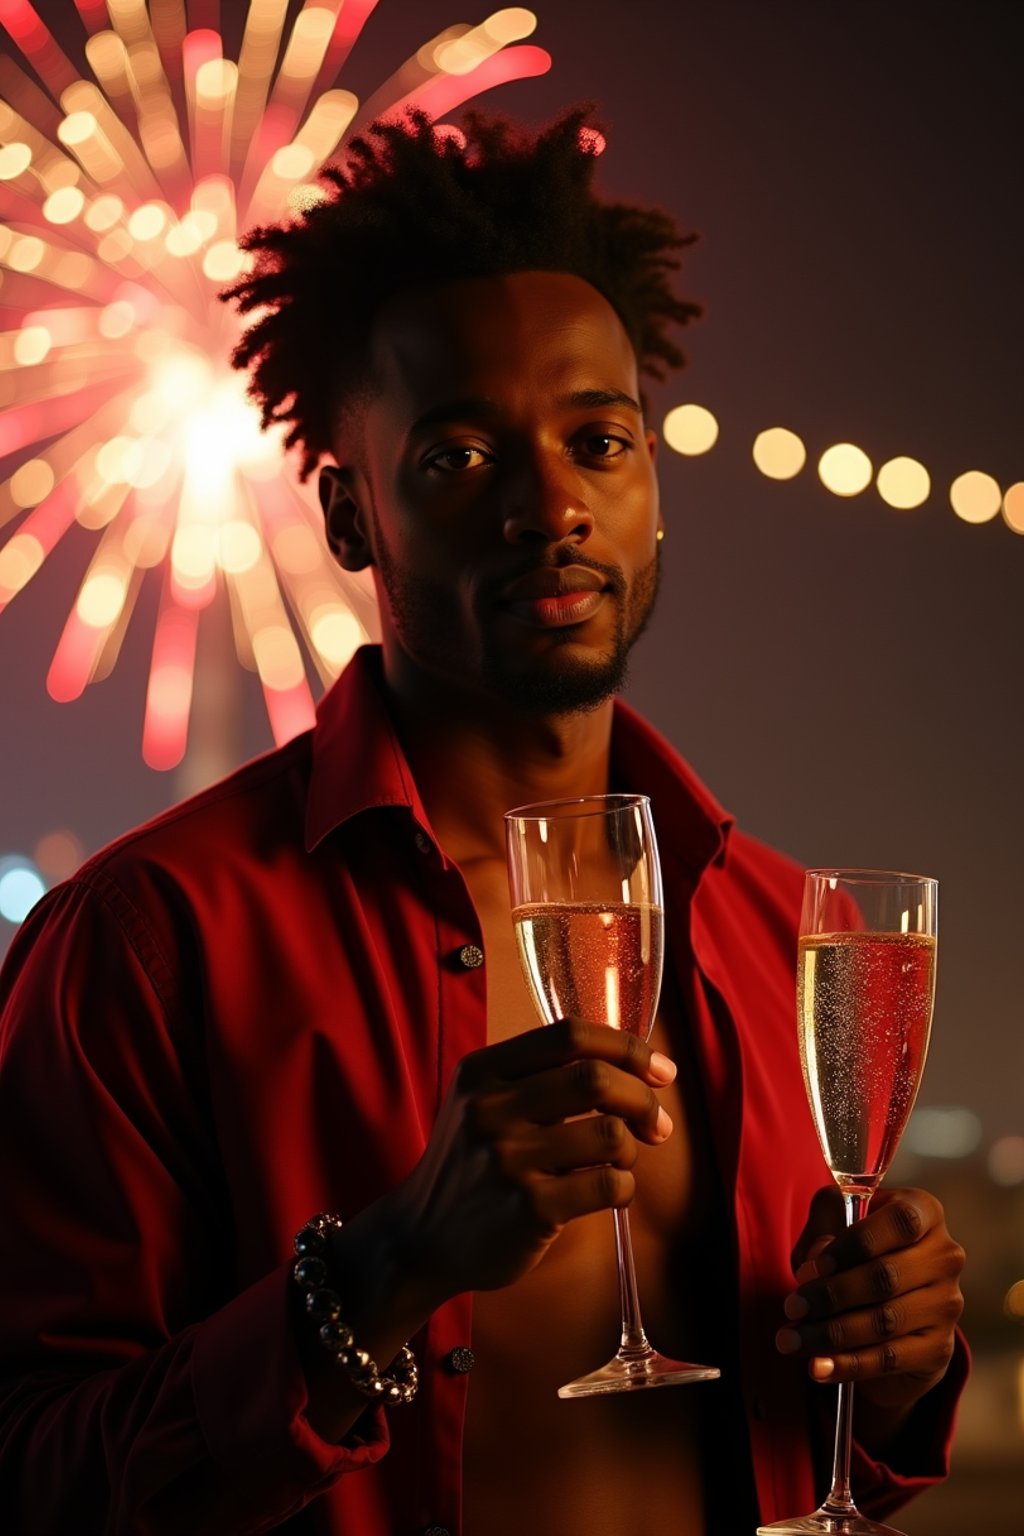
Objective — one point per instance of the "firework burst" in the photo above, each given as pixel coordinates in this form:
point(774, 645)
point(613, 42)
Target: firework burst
point(122, 194)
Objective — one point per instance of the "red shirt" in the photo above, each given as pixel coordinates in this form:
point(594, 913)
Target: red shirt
point(249, 1010)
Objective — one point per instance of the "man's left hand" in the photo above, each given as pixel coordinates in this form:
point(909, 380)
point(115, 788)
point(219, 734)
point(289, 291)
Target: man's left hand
point(877, 1303)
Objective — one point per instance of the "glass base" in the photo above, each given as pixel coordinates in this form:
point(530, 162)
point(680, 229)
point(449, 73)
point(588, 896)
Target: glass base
point(627, 1373)
point(822, 1523)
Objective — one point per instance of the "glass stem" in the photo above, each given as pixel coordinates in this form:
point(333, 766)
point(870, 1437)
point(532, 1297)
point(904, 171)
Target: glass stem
point(840, 1500)
point(634, 1340)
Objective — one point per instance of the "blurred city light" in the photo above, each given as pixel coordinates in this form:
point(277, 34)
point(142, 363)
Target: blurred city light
point(1006, 1161)
point(943, 1130)
point(21, 886)
point(57, 855)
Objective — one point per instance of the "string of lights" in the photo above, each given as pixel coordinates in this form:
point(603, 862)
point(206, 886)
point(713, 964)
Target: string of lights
point(846, 470)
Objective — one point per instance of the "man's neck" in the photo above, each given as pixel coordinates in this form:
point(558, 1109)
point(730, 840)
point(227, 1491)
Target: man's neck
point(474, 760)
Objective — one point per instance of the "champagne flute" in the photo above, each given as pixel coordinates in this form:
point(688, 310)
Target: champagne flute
point(585, 884)
point(865, 989)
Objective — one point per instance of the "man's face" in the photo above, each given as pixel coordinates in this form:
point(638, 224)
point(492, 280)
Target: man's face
point(505, 493)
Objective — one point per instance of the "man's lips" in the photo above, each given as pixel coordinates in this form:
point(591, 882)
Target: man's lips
point(553, 597)
point(552, 581)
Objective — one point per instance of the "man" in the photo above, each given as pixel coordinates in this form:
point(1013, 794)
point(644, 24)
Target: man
point(299, 992)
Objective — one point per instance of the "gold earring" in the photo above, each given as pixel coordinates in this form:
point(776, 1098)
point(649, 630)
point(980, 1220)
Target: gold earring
point(660, 535)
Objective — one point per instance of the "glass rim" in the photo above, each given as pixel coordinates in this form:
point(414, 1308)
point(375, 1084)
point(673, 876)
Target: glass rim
point(871, 876)
point(587, 805)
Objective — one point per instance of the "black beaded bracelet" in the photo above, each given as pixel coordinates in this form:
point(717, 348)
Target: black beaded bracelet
point(323, 1304)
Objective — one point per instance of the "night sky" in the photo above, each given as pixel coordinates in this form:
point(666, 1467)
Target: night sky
point(844, 676)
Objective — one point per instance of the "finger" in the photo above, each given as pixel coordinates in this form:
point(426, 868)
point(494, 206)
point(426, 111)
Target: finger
point(935, 1258)
point(900, 1220)
point(808, 1269)
point(824, 1220)
point(928, 1308)
point(554, 1045)
point(594, 1084)
point(924, 1355)
point(563, 1199)
point(584, 1143)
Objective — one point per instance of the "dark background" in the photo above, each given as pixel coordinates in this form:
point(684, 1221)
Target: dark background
point(846, 677)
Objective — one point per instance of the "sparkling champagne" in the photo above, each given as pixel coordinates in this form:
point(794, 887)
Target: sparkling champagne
point(864, 1008)
point(600, 962)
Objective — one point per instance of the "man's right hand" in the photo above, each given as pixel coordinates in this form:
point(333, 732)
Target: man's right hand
point(509, 1162)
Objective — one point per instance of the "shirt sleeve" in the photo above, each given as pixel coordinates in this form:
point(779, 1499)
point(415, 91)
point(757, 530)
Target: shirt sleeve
point(138, 1393)
point(919, 1457)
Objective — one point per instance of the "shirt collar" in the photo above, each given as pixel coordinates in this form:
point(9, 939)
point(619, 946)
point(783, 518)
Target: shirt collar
point(690, 823)
point(358, 762)
point(359, 765)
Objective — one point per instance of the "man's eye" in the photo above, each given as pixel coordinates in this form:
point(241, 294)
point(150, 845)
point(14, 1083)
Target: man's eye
point(602, 445)
point(453, 460)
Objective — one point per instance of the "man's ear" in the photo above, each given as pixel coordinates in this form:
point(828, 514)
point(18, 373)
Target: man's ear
point(651, 440)
point(344, 519)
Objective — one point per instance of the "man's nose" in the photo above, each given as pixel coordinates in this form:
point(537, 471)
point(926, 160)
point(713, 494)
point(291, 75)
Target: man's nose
point(547, 504)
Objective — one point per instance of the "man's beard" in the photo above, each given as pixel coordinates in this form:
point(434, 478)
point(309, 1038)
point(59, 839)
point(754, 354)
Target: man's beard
point(565, 685)
point(426, 618)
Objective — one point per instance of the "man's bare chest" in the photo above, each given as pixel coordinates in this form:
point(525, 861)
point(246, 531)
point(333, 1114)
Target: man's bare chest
point(587, 1461)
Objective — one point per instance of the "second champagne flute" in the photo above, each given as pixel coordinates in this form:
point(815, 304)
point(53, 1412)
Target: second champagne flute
point(586, 896)
point(865, 989)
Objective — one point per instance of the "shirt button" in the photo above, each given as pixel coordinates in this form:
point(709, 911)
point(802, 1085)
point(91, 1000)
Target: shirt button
point(460, 1360)
point(422, 842)
point(471, 956)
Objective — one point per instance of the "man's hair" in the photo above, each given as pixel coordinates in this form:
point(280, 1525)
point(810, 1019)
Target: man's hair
point(415, 204)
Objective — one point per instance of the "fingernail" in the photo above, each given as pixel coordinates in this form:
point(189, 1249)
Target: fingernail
point(661, 1068)
point(664, 1124)
point(815, 1269)
point(787, 1341)
point(822, 1368)
point(795, 1307)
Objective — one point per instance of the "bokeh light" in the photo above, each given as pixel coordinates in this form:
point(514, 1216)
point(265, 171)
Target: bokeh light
point(21, 886)
point(15, 159)
point(903, 483)
point(57, 855)
point(943, 1130)
point(690, 429)
point(1013, 507)
point(779, 453)
point(32, 483)
point(335, 634)
point(64, 205)
point(1006, 1161)
point(844, 469)
point(975, 497)
point(122, 198)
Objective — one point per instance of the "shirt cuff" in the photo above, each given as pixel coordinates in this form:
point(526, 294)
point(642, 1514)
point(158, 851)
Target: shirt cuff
point(919, 1455)
point(250, 1396)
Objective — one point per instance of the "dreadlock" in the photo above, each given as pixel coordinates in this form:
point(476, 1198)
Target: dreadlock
point(415, 205)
